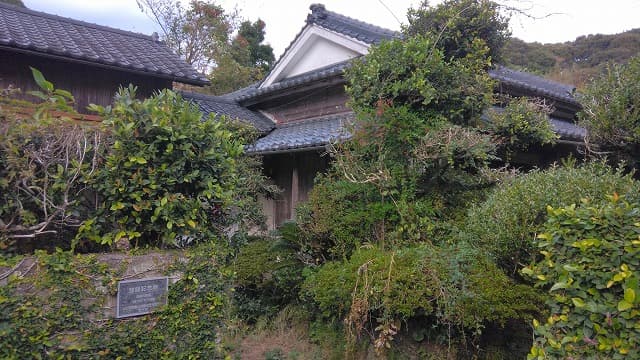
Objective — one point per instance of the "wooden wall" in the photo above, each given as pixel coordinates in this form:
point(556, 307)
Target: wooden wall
point(294, 173)
point(311, 104)
point(88, 84)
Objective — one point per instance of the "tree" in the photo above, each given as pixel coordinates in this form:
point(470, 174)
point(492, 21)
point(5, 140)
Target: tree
point(413, 148)
point(458, 23)
point(247, 61)
point(229, 76)
point(249, 47)
point(199, 34)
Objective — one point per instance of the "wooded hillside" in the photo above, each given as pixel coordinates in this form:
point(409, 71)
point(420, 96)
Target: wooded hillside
point(573, 62)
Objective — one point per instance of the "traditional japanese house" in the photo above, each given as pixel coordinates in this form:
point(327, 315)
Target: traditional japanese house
point(301, 105)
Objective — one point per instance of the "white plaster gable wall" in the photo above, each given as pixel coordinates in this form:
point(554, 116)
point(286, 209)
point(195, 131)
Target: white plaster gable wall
point(320, 53)
point(315, 48)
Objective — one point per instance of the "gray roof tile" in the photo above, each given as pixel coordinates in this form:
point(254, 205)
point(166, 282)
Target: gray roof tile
point(372, 34)
point(222, 106)
point(321, 131)
point(353, 28)
point(49, 35)
point(253, 91)
point(532, 83)
point(304, 134)
point(568, 130)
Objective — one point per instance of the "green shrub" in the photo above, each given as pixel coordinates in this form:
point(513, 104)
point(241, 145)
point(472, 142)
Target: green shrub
point(44, 159)
point(611, 111)
point(456, 287)
point(268, 277)
point(341, 215)
point(591, 269)
point(523, 122)
point(506, 223)
point(169, 175)
point(414, 73)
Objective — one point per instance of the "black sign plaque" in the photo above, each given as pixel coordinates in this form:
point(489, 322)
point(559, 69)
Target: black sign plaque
point(142, 296)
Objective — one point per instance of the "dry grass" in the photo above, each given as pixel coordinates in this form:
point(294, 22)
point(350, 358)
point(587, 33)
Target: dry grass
point(287, 334)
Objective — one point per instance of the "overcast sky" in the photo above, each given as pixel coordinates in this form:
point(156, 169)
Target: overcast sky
point(566, 20)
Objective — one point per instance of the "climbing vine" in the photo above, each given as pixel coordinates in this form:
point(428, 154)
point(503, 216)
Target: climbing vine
point(58, 309)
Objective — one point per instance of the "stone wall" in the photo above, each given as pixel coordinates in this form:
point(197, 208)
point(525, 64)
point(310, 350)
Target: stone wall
point(126, 266)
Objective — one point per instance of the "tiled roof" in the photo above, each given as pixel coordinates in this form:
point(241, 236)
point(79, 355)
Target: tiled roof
point(54, 36)
point(532, 83)
point(350, 27)
point(321, 131)
point(568, 130)
point(320, 16)
point(306, 134)
point(372, 34)
point(218, 105)
point(252, 92)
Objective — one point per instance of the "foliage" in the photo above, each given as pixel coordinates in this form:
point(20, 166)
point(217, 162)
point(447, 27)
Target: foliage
point(169, 176)
point(458, 23)
point(412, 152)
point(521, 123)
point(44, 159)
point(246, 62)
point(248, 47)
point(453, 157)
point(530, 57)
point(611, 110)
point(229, 75)
point(58, 313)
point(573, 62)
point(505, 224)
point(415, 73)
point(267, 277)
point(591, 268)
point(199, 33)
point(348, 209)
point(377, 290)
point(342, 215)
point(408, 97)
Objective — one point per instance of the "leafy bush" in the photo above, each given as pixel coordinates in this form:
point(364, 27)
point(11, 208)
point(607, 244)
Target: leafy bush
point(455, 287)
point(611, 111)
point(415, 73)
point(523, 122)
point(268, 277)
point(591, 268)
point(341, 215)
point(168, 177)
point(44, 159)
point(400, 203)
point(459, 22)
point(506, 223)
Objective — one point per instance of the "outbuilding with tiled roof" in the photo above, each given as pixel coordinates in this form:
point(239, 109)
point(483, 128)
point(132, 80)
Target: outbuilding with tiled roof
point(89, 60)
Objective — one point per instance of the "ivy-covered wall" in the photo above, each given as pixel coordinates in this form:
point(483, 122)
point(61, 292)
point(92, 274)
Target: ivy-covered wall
point(63, 305)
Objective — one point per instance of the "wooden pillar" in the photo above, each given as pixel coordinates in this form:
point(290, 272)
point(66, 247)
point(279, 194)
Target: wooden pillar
point(295, 189)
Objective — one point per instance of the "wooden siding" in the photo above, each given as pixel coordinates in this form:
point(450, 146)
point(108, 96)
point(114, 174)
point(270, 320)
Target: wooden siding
point(88, 84)
point(287, 170)
point(314, 103)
